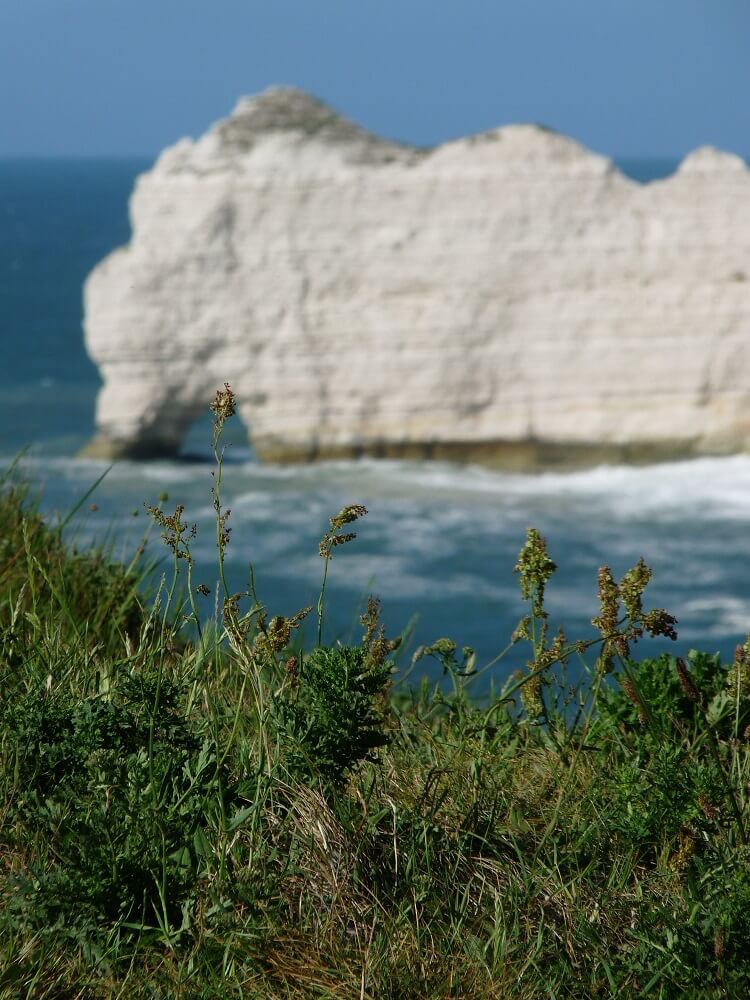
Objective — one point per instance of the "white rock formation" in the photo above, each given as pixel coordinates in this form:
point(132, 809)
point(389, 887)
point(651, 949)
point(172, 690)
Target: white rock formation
point(509, 298)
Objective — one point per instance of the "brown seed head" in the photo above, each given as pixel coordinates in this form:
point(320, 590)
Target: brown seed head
point(534, 567)
point(347, 515)
point(222, 406)
point(369, 620)
point(521, 630)
point(687, 683)
point(629, 688)
point(606, 621)
point(685, 850)
point(531, 696)
point(660, 622)
point(631, 589)
point(331, 540)
point(291, 668)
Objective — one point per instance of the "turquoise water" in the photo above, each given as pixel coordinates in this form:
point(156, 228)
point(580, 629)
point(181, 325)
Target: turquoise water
point(57, 219)
point(440, 540)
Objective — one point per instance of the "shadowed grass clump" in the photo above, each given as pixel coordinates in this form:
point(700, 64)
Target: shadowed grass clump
point(209, 809)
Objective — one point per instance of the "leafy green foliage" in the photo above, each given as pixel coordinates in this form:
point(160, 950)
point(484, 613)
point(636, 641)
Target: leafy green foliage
point(114, 792)
point(333, 714)
point(669, 709)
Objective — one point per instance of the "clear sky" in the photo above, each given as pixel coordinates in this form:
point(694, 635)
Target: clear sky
point(625, 77)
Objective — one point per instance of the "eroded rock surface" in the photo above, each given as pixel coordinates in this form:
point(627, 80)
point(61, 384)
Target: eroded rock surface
point(508, 298)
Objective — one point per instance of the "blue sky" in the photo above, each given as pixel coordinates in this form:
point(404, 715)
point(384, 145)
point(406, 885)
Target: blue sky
point(626, 77)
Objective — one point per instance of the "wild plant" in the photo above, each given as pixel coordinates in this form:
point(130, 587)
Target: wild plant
point(117, 793)
point(333, 538)
point(198, 807)
point(621, 622)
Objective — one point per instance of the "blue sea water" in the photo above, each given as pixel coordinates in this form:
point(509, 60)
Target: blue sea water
point(440, 541)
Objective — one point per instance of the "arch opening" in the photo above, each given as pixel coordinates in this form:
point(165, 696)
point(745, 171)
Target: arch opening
point(196, 441)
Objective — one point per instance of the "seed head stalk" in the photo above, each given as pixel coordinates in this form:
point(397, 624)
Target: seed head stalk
point(331, 540)
point(222, 409)
point(321, 598)
point(177, 535)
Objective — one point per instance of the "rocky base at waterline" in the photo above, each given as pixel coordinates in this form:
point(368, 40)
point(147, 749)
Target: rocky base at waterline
point(509, 298)
point(509, 456)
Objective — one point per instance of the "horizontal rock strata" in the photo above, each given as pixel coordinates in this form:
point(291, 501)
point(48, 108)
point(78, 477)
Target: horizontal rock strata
point(509, 298)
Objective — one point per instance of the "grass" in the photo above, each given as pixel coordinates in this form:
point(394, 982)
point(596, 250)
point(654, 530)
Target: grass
point(208, 809)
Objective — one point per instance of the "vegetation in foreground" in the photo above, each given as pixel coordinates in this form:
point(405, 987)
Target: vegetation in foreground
point(215, 811)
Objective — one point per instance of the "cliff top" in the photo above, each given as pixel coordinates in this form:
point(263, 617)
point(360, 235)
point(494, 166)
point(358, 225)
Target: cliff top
point(287, 109)
point(305, 119)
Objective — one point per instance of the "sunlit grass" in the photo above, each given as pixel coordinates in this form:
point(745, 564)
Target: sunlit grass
point(206, 808)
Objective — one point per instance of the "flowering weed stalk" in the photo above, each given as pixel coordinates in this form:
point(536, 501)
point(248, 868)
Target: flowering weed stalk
point(331, 540)
point(222, 408)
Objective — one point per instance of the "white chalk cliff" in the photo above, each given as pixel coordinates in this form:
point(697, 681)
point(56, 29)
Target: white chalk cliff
point(509, 298)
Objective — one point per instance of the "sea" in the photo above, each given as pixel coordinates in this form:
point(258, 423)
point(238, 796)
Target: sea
point(440, 541)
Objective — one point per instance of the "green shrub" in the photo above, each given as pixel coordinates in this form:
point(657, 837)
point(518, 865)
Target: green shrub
point(116, 794)
point(666, 708)
point(333, 714)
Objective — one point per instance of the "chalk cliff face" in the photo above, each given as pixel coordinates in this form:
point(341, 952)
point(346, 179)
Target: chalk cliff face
point(509, 298)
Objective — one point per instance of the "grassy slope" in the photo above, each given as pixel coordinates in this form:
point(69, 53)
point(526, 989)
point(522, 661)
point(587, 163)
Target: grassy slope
point(233, 817)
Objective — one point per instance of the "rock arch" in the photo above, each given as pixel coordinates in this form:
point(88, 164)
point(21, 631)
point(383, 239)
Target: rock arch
point(508, 298)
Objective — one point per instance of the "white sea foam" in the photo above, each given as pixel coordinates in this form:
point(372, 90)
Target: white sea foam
point(723, 481)
point(442, 539)
point(720, 615)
